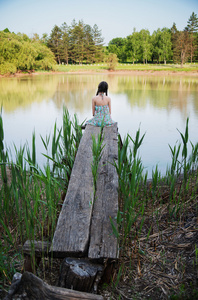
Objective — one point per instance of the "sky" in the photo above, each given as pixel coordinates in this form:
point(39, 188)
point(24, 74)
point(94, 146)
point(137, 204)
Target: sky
point(115, 18)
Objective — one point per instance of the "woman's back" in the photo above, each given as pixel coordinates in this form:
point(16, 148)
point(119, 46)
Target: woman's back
point(101, 100)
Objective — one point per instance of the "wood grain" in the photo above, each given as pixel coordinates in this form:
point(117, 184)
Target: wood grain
point(71, 237)
point(103, 243)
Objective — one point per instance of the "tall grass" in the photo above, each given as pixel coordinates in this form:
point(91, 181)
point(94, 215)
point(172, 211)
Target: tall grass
point(138, 195)
point(30, 195)
point(129, 169)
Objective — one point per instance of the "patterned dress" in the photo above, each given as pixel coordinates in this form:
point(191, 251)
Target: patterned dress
point(102, 117)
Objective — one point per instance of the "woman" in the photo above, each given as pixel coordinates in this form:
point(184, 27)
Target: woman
point(101, 107)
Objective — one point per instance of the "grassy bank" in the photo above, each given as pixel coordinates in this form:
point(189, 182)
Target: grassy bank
point(157, 219)
point(173, 69)
point(128, 67)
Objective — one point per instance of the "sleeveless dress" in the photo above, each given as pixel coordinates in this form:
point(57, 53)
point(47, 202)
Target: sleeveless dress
point(102, 117)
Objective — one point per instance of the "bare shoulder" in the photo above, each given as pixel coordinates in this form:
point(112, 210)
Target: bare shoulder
point(94, 99)
point(108, 98)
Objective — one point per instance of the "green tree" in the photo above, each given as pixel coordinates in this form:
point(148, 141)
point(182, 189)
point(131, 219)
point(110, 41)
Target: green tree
point(98, 43)
point(174, 34)
point(77, 42)
point(89, 44)
point(145, 45)
point(26, 57)
point(6, 30)
point(55, 42)
point(44, 38)
point(133, 45)
point(18, 52)
point(192, 28)
point(111, 61)
point(162, 44)
point(65, 42)
point(118, 47)
point(44, 59)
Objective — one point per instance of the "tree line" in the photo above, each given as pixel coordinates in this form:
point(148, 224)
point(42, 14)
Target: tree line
point(163, 45)
point(80, 43)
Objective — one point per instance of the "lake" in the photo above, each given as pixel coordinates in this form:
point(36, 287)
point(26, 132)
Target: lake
point(158, 105)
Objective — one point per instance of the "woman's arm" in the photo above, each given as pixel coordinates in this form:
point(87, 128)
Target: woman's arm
point(109, 103)
point(93, 107)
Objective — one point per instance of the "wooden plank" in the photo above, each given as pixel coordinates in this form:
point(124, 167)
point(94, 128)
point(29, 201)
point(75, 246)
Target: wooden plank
point(71, 237)
point(36, 289)
point(103, 243)
point(40, 248)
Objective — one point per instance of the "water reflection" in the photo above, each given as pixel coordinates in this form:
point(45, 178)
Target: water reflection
point(159, 103)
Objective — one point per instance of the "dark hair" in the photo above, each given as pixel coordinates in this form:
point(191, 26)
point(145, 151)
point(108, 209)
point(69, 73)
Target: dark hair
point(102, 87)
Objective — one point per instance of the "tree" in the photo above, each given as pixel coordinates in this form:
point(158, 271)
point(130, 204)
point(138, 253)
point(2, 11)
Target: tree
point(111, 61)
point(162, 44)
point(18, 52)
point(133, 45)
point(44, 39)
point(55, 43)
point(118, 47)
point(89, 44)
point(174, 33)
point(6, 30)
point(98, 43)
point(145, 45)
point(65, 42)
point(182, 47)
point(192, 24)
point(192, 28)
point(77, 41)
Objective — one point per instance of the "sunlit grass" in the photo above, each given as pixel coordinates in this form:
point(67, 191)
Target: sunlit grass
point(188, 67)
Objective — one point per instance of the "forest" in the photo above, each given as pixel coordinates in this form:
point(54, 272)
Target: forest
point(79, 43)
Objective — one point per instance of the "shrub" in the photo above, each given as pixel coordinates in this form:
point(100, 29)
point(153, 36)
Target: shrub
point(7, 68)
point(111, 61)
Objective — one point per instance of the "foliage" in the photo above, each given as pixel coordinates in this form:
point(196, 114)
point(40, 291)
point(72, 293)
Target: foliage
point(133, 46)
point(18, 52)
point(30, 195)
point(77, 43)
point(117, 46)
point(182, 47)
point(111, 61)
point(163, 45)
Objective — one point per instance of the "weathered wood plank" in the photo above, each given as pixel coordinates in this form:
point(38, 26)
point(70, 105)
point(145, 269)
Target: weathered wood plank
point(29, 286)
point(40, 248)
point(71, 237)
point(103, 243)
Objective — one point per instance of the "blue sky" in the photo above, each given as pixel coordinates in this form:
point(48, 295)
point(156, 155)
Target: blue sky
point(116, 18)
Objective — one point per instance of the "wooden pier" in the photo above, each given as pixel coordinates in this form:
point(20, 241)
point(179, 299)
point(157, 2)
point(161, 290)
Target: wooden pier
point(83, 238)
point(84, 228)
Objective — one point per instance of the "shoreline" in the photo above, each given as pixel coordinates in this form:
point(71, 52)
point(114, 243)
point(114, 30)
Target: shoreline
point(107, 72)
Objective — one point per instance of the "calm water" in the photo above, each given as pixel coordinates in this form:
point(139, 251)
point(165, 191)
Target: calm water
point(158, 105)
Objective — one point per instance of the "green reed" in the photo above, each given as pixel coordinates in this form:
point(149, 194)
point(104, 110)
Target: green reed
point(129, 168)
point(31, 195)
point(137, 196)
